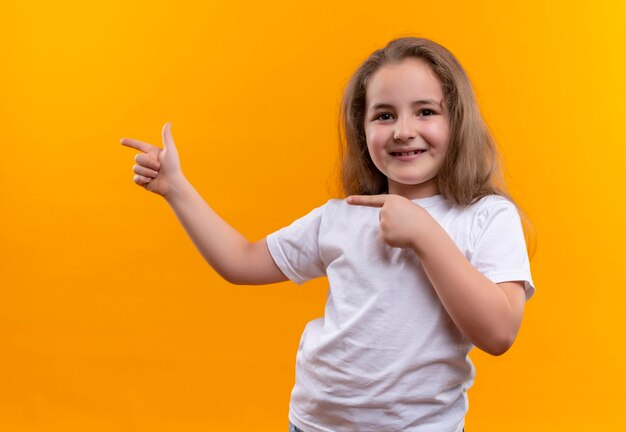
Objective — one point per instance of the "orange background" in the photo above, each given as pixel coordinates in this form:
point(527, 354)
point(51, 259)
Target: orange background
point(109, 318)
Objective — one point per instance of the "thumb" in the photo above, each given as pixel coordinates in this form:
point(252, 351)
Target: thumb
point(168, 140)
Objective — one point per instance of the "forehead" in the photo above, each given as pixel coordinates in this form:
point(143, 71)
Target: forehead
point(401, 83)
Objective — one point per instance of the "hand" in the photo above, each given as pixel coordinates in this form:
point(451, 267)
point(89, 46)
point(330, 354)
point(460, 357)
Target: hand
point(401, 220)
point(157, 169)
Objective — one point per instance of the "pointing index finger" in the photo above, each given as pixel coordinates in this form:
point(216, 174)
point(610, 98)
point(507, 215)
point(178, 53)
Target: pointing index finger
point(139, 145)
point(367, 200)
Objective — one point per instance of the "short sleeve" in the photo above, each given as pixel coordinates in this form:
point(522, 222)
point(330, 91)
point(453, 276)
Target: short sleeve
point(295, 248)
point(498, 248)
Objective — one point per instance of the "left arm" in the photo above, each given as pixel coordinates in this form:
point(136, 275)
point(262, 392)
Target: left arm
point(488, 314)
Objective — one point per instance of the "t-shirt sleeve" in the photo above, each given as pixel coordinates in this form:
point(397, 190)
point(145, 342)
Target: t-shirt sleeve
point(498, 246)
point(295, 248)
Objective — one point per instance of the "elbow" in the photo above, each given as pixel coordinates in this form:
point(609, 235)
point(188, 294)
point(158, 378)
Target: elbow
point(232, 269)
point(233, 278)
point(230, 276)
point(498, 350)
point(236, 281)
point(238, 277)
point(500, 336)
point(232, 281)
point(496, 346)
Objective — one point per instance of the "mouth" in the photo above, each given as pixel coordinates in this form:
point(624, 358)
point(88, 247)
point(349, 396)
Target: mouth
point(408, 153)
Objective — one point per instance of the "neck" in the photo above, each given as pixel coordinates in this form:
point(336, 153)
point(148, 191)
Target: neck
point(411, 192)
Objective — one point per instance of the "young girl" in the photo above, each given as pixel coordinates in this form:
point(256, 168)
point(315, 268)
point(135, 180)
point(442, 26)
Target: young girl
point(425, 259)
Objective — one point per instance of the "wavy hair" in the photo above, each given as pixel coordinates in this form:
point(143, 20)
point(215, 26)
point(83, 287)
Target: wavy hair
point(471, 168)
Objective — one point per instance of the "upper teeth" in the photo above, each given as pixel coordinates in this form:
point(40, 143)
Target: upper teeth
point(409, 153)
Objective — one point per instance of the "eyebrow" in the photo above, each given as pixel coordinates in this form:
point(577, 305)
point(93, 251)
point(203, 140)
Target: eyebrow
point(418, 102)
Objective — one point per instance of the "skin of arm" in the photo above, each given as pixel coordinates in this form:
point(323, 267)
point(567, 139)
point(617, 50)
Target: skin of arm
point(226, 250)
point(488, 314)
point(232, 256)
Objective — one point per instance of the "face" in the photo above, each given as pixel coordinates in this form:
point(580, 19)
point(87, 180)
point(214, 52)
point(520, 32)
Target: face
point(406, 127)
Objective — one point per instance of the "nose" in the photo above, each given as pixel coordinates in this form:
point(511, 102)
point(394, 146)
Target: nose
point(405, 130)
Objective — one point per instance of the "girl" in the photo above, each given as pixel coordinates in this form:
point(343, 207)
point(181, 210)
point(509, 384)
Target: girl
point(425, 259)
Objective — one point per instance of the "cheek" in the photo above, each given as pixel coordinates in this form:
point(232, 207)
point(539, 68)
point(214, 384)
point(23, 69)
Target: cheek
point(374, 138)
point(436, 133)
point(374, 148)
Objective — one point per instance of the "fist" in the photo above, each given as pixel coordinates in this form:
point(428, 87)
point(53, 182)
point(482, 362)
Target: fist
point(158, 169)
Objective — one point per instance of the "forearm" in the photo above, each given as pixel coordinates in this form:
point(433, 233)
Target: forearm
point(221, 245)
point(478, 307)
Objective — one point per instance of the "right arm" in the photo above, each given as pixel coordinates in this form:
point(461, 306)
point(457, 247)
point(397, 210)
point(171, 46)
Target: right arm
point(224, 248)
point(229, 253)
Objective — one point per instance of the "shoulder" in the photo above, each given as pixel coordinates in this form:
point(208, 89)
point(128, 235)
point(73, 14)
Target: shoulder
point(489, 201)
point(340, 216)
point(324, 208)
point(339, 208)
point(341, 205)
point(494, 213)
point(323, 213)
point(490, 206)
point(327, 210)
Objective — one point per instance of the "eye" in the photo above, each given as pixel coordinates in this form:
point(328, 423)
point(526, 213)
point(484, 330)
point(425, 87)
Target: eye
point(382, 114)
point(427, 112)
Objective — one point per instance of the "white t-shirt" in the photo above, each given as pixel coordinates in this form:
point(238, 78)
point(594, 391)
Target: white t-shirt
point(386, 356)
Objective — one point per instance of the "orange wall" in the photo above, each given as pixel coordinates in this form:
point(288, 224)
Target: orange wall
point(109, 318)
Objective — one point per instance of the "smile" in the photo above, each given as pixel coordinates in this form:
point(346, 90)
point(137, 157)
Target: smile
point(411, 153)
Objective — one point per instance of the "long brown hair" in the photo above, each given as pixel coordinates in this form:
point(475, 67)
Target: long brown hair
point(471, 168)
